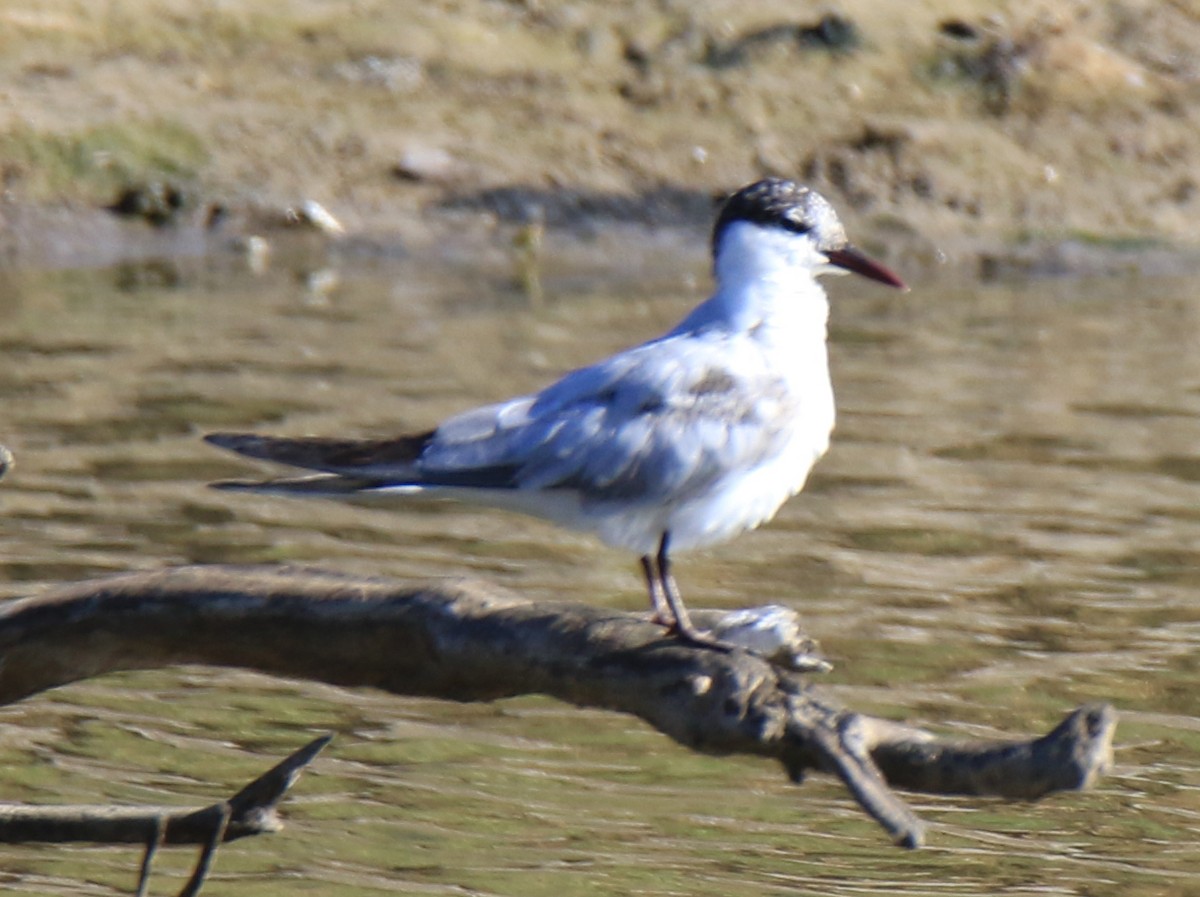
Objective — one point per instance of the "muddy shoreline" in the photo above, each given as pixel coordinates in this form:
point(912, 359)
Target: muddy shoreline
point(75, 236)
point(985, 142)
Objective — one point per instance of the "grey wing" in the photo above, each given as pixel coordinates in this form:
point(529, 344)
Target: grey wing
point(654, 423)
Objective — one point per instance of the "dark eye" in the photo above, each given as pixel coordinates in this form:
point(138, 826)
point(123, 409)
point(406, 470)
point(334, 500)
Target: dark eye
point(796, 225)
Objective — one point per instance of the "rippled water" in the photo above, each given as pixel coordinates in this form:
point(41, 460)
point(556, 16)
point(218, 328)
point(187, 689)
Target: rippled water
point(1008, 525)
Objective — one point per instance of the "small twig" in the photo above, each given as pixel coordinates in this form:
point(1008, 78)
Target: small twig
point(207, 854)
point(152, 844)
point(251, 811)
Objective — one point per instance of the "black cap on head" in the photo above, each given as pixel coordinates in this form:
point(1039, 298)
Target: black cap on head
point(778, 202)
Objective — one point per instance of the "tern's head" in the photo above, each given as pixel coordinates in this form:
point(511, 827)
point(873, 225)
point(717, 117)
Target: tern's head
point(776, 223)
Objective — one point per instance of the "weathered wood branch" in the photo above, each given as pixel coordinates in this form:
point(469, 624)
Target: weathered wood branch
point(468, 642)
point(252, 811)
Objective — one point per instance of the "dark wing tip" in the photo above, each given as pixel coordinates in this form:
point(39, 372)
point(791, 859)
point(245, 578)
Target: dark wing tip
point(235, 485)
point(351, 457)
point(229, 441)
point(251, 445)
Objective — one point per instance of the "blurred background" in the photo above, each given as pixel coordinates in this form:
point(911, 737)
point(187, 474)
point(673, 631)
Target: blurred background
point(955, 128)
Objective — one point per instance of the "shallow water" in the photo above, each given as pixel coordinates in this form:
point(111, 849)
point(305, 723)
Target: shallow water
point(1007, 525)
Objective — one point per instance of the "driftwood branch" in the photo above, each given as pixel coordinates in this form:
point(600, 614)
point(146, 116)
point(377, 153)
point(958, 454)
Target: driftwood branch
point(467, 642)
point(252, 811)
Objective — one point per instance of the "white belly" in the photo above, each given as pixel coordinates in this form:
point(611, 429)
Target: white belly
point(740, 502)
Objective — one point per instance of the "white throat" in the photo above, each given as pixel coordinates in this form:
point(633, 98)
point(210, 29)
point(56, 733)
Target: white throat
point(766, 279)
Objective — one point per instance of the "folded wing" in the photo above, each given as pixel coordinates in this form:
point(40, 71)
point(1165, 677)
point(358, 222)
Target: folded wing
point(630, 428)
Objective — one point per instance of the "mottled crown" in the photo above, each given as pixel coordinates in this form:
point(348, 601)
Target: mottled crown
point(778, 202)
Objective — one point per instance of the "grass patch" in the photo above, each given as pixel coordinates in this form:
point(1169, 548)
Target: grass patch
point(98, 162)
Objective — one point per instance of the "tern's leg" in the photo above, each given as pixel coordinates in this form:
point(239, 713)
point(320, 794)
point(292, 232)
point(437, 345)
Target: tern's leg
point(658, 601)
point(684, 627)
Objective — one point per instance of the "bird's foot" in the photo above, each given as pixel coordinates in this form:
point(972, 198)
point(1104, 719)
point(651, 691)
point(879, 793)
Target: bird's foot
point(701, 638)
point(771, 632)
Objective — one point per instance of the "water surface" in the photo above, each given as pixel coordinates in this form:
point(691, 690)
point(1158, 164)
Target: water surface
point(1007, 525)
